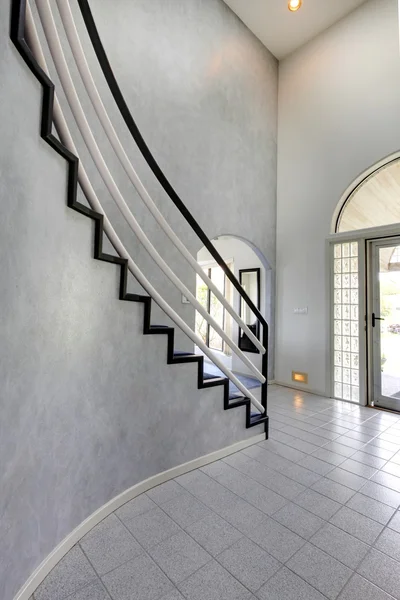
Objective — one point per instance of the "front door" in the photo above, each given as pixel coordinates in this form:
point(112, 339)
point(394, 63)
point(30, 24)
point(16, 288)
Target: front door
point(384, 322)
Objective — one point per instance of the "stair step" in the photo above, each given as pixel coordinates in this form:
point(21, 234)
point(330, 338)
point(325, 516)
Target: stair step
point(185, 357)
point(160, 329)
point(256, 418)
point(213, 380)
point(235, 395)
point(254, 415)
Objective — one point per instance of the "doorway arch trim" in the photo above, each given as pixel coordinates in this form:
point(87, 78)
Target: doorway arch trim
point(356, 185)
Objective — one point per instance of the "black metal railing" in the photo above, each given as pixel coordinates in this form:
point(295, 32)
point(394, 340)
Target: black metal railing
point(156, 169)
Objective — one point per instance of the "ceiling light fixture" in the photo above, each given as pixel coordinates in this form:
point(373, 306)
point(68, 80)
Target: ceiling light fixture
point(294, 5)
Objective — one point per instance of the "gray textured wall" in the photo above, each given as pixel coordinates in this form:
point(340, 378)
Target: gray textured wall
point(204, 93)
point(84, 415)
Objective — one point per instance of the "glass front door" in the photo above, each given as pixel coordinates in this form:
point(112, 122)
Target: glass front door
point(384, 322)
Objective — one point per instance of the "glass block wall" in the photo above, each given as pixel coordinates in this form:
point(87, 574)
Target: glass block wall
point(346, 321)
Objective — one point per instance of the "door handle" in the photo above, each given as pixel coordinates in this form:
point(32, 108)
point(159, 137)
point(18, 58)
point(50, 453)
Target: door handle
point(374, 319)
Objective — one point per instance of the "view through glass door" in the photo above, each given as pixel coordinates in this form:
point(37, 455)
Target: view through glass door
point(384, 322)
point(214, 308)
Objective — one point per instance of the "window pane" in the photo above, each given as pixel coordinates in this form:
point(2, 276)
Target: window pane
point(346, 317)
point(201, 295)
point(338, 250)
point(216, 308)
point(346, 250)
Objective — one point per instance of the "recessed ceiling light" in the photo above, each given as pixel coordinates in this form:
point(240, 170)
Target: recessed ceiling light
point(294, 5)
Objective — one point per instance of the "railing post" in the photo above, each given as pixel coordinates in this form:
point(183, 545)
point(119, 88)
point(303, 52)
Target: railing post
point(264, 371)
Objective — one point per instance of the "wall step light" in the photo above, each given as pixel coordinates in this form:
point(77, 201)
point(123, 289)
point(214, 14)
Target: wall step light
point(299, 377)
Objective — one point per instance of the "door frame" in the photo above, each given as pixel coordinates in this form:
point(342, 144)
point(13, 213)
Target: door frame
point(363, 236)
point(371, 372)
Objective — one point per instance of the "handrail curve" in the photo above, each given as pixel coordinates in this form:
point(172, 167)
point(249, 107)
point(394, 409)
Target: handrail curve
point(78, 53)
point(151, 161)
point(56, 51)
point(67, 148)
point(164, 182)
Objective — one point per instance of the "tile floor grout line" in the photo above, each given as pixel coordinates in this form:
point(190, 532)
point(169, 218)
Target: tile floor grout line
point(369, 517)
point(373, 546)
point(232, 492)
point(198, 543)
point(355, 573)
point(330, 556)
point(310, 454)
point(282, 472)
point(381, 485)
point(280, 563)
point(332, 441)
point(268, 488)
point(296, 462)
point(319, 591)
point(244, 536)
point(365, 577)
point(284, 566)
point(106, 590)
point(86, 585)
point(310, 486)
point(324, 523)
point(252, 478)
point(215, 557)
point(357, 491)
point(272, 515)
point(300, 439)
point(362, 449)
point(145, 552)
point(91, 564)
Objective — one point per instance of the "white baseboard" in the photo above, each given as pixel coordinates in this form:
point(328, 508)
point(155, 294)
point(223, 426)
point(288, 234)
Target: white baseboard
point(61, 550)
point(302, 389)
point(315, 393)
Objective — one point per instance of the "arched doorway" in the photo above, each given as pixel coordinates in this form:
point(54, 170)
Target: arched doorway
point(365, 251)
point(254, 272)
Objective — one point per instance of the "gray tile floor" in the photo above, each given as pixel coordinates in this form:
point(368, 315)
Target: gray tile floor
point(310, 514)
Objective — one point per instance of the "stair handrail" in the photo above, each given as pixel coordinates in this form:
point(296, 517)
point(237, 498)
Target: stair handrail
point(162, 179)
point(78, 53)
point(67, 141)
point(67, 84)
point(151, 161)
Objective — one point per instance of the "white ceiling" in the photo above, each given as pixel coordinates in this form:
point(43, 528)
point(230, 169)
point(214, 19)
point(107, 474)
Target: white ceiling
point(282, 31)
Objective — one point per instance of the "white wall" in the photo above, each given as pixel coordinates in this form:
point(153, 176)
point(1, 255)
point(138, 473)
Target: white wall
point(339, 113)
point(244, 257)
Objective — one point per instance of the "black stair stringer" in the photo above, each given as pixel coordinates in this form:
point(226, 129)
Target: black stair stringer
point(17, 35)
